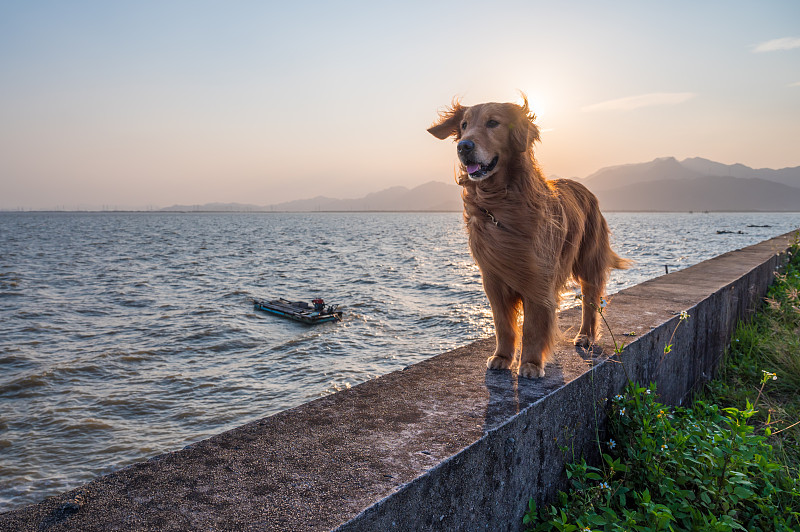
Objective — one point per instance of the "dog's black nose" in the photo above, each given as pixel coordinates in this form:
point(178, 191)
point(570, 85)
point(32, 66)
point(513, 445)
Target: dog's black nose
point(465, 147)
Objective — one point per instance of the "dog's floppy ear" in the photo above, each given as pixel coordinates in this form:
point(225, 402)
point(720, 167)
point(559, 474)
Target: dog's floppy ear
point(449, 122)
point(524, 131)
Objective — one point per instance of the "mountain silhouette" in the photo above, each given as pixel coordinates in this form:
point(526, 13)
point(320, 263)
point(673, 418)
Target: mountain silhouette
point(629, 174)
point(787, 176)
point(432, 196)
point(707, 193)
point(695, 184)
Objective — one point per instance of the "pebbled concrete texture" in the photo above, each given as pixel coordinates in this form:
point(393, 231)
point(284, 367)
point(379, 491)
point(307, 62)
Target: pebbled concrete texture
point(442, 445)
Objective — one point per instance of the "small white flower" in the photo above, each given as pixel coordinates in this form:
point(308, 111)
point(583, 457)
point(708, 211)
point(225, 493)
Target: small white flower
point(664, 447)
point(618, 397)
point(647, 391)
point(605, 486)
point(768, 375)
point(611, 444)
point(684, 315)
point(622, 411)
point(603, 303)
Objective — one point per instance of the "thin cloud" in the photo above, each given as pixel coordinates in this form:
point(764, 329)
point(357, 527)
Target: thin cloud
point(785, 43)
point(795, 84)
point(643, 100)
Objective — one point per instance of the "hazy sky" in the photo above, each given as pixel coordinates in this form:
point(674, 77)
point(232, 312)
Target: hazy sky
point(130, 104)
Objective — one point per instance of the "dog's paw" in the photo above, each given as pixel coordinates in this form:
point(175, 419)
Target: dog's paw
point(529, 370)
point(583, 340)
point(498, 362)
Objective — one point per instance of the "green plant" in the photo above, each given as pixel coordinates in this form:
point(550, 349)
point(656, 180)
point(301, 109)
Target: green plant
point(668, 347)
point(698, 468)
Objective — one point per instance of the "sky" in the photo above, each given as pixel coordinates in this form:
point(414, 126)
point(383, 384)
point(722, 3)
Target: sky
point(150, 104)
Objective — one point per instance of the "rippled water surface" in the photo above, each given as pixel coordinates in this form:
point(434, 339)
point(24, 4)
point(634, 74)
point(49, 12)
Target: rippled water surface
point(124, 335)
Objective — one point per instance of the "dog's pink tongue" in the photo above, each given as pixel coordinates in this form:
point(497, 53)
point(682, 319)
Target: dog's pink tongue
point(472, 168)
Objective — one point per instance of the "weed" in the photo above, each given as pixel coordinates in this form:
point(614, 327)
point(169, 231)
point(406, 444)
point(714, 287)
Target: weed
point(697, 468)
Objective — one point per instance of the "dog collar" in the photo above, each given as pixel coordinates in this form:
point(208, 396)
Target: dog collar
point(494, 220)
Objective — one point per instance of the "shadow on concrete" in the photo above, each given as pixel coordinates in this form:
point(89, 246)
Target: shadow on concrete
point(509, 394)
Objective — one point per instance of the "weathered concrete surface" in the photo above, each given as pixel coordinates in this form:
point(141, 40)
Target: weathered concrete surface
point(442, 445)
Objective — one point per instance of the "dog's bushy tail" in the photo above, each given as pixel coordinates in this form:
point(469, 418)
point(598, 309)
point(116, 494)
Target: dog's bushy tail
point(619, 263)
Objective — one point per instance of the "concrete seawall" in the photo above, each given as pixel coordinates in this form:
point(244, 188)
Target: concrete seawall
point(442, 445)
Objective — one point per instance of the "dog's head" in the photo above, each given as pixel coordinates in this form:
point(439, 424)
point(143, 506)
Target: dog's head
point(489, 136)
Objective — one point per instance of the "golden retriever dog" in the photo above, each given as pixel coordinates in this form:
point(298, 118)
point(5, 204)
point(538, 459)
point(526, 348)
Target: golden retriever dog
point(528, 235)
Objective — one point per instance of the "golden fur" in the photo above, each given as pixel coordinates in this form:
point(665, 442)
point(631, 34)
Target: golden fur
point(528, 235)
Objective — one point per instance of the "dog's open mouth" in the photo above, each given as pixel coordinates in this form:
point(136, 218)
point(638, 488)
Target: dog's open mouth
point(479, 171)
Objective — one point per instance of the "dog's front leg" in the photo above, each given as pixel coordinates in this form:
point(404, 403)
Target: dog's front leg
point(539, 333)
point(505, 309)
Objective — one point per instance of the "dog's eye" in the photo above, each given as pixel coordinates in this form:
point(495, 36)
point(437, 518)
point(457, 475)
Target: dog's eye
point(464, 125)
point(492, 123)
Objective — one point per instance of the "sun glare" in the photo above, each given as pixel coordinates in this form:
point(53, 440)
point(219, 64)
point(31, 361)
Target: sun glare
point(537, 103)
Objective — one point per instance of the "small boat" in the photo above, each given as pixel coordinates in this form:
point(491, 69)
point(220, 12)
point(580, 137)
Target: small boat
point(301, 311)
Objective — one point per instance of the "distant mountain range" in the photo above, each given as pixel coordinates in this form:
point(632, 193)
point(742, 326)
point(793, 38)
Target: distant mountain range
point(664, 184)
point(431, 196)
point(695, 184)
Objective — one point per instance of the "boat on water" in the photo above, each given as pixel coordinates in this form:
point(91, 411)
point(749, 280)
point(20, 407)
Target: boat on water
point(317, 312)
